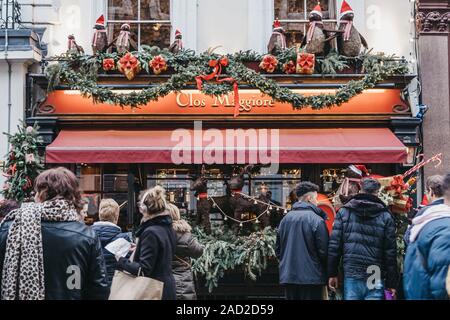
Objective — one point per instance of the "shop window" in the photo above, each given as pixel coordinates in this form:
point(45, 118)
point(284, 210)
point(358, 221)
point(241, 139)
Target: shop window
point(149, 21)
point(293, 14)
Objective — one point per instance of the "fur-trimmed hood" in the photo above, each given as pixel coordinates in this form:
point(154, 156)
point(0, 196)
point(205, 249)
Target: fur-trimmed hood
point(181, 226)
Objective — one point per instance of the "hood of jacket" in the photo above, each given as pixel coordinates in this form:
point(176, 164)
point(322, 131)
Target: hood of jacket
point(164, 220)
point(366, 205)
point(301, 206)
point(106, 231)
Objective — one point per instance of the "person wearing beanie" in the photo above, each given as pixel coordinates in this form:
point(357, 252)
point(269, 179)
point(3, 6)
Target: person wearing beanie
point(301, 247)
point(363, 237)
point(156, 242)
point(187, 247)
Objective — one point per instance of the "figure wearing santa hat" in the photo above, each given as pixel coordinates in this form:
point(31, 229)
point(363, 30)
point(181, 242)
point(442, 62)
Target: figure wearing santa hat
point(315, 40)
point(99, 39)
point(124, 41)
point(349, 39)
point(277, 40)
point(177, 44)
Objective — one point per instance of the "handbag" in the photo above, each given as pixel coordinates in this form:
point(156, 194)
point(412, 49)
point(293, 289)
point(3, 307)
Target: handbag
point(126, 286)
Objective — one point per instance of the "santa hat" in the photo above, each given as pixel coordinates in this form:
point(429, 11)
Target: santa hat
point(317, 10)
point(177, 33)
point(277, 24)
point(100, 21)
point(363, 169)
point(345, 9)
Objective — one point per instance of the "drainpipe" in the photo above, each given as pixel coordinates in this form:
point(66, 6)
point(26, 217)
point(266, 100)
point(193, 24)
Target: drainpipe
point(9, 85)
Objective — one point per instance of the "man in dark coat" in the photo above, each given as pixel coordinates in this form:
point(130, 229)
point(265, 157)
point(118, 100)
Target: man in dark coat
point(364, 237)
point(302, 243)
point(428, 255)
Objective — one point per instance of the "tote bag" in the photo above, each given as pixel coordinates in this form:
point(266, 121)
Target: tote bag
point(129, 287)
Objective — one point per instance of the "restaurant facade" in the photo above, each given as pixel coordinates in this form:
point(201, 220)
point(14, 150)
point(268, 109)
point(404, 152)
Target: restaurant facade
point(119, 150)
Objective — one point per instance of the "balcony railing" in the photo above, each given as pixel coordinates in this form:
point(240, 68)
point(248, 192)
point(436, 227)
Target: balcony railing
point(10, 14)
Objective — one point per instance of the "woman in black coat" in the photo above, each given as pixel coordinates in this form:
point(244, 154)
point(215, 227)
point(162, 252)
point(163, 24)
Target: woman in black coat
point(156, 243)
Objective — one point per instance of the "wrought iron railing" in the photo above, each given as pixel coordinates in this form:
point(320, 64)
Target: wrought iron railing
point(10, 14)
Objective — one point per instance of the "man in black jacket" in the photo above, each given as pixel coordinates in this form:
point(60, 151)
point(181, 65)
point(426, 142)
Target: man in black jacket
point(302, 243)
point(364, 237)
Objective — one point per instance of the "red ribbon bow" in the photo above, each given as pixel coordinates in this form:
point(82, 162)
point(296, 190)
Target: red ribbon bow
point(398, 185)
point(217, 71)
point(306, 61)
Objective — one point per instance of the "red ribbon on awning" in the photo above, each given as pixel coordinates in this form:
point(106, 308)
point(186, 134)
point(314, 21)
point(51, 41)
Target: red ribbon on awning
point(217, 71)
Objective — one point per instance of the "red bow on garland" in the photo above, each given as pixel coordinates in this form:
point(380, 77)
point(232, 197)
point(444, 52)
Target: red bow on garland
point(217, 71)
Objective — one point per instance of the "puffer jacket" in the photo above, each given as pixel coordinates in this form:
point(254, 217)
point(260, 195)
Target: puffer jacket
point(108, 232)
point(428, 258)
point(364, 235)
point(68, 247)
point(187, 248)
point(301, 247)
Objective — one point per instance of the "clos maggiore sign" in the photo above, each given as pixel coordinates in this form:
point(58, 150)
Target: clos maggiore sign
point(193, 102)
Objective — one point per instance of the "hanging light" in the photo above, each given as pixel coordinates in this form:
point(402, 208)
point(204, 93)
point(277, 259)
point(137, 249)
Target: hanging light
point(255, 202)
point(256, 221)
point(241, 225)
point(225, 218)
point(270, 208)
point(285, 211)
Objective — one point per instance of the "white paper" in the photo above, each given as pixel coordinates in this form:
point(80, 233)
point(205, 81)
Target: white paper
point(119, 247)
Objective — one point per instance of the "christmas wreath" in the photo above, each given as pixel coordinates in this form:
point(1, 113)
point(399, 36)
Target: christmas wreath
point(80, 72)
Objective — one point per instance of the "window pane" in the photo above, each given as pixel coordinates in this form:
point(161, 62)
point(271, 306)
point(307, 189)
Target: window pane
point(290, 9)
point(153, 34)
point(155, 9)
point(122, 9)
point(114, 30)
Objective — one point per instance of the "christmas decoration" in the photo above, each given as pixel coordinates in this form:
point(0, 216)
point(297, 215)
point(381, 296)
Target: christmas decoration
point(217, 65)
point(80, 73)
point(72, 46)
point(124, 41)
point(315, 41)
point(225, 251)
point(158, 64)
point(177, 44)
point(277, 40)
point(23, 163)
point(108, 64)
point(269, 63)
point(129, 65)
point(100, 38)
point(350, 40)
point(305, 63)
point(289, 67)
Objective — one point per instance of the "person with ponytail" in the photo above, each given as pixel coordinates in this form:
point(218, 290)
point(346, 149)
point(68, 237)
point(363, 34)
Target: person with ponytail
point(156, 243)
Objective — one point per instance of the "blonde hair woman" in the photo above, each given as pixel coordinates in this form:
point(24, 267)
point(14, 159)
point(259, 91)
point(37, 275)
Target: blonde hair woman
point(187, 247)
point(156, 242)
point(108, 231)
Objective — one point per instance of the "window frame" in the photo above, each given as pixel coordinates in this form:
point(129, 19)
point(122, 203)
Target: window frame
point(138, 21)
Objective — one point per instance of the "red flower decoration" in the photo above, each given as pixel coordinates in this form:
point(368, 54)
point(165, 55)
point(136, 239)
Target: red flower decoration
point(158, 64)
point(129, 65)
point(269, 63)
point(108, 64)
point(306, 63)
point(289, 67)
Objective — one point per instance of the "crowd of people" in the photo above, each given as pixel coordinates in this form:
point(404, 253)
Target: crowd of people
point(46, 252)
point(362, 247)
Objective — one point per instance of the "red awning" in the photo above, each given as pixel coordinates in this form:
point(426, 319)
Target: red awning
point(364, 145)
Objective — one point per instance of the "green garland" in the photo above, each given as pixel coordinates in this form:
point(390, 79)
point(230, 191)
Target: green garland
point(225, 251)
point(23, 163)
point(80, 72)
